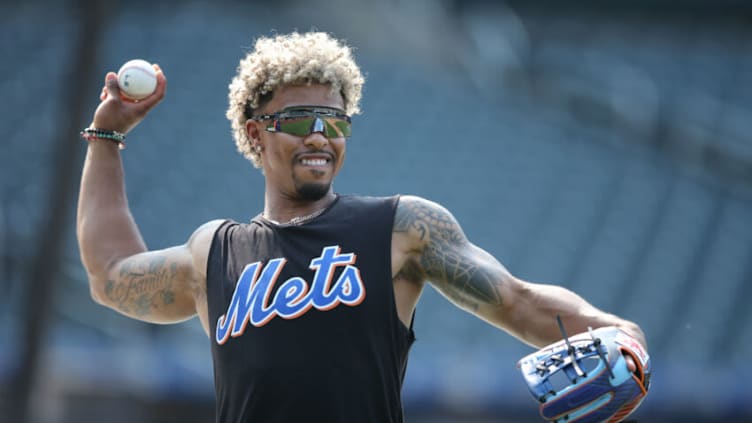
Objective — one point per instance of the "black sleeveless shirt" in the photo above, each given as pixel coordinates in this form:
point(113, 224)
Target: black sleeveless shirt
point(303, 319)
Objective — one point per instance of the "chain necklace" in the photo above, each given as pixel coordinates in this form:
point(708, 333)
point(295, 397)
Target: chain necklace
point(298, 220)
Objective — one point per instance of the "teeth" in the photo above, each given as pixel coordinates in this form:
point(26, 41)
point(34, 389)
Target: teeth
point(313, 162)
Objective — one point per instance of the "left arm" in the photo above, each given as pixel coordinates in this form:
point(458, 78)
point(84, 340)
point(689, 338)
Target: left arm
point(474, 280)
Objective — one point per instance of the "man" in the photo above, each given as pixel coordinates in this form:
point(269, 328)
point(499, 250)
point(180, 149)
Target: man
point(310, 305)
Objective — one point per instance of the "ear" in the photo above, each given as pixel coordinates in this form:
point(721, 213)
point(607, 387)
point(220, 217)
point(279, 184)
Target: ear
point(252, 130)
point(254, 134)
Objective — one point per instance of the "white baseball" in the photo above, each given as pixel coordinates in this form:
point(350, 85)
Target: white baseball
point(137, 79)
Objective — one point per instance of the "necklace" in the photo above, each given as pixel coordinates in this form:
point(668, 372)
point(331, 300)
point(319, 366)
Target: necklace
point(298, 220)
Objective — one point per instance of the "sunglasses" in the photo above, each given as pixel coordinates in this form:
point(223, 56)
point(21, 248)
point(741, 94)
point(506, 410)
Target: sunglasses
point(305, 120)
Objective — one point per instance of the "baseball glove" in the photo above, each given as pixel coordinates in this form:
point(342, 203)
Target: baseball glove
point(585, 378)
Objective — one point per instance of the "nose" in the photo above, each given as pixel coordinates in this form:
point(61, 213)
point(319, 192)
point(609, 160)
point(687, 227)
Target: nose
point(316, 141)
point(316, 138)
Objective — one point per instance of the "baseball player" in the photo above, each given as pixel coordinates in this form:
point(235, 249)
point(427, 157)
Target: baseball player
point(309, 305)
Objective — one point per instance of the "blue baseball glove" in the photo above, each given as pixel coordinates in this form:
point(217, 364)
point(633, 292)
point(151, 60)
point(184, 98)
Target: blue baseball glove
point(585, 378)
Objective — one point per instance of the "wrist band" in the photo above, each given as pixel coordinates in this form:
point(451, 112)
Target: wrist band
point(95, 133)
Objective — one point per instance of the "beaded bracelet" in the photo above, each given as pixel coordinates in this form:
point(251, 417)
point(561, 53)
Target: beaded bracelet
point(95, 133)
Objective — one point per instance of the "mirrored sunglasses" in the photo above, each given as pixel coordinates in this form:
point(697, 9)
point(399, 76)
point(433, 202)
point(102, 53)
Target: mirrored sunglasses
point(304, 120)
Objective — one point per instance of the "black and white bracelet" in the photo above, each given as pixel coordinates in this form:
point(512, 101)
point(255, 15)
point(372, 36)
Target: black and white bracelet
point(103, 134)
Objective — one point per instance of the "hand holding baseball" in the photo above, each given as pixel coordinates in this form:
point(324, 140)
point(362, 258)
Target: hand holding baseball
point(137, 79)
point(120, 112)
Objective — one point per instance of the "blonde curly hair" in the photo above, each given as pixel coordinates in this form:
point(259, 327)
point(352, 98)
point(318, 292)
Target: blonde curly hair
point(308, 58)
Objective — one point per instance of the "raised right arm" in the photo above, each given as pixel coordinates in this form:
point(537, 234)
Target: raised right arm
point(155, 286)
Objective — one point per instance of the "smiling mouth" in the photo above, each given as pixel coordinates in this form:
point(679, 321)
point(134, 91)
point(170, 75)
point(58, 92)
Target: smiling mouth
point(314, 162)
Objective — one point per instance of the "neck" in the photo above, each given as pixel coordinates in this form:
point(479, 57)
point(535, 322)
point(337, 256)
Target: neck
point(281, 209)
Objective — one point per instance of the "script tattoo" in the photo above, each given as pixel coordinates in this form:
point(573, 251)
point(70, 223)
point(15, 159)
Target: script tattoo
point(143, 286)
point(457, 268)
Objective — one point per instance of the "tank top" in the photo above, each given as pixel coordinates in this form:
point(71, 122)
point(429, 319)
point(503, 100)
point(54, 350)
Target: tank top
point(303, 320)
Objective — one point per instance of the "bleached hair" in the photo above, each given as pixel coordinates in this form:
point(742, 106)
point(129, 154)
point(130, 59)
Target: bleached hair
point(290, 59)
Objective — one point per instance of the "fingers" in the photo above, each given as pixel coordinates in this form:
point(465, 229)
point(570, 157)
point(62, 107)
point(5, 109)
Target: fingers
point(159, 92)
point(111, 88)
point(161, 79)
point(630, 363)
point(108, 86)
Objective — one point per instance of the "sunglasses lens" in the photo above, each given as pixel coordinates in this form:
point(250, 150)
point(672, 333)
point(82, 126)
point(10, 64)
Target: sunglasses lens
point(332, 127)
point(337, 128)
point(300, 126)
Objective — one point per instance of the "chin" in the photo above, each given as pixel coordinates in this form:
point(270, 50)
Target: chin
point(312, 191)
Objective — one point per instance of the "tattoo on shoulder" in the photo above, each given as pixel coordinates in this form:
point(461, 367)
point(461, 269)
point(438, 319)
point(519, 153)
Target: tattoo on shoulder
point(143, 286)
point(457, 268)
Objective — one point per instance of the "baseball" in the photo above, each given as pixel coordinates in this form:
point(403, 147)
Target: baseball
point(137, 79)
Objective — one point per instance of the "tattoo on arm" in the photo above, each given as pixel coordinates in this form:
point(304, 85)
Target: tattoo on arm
point(461, 271)
point(143, 285)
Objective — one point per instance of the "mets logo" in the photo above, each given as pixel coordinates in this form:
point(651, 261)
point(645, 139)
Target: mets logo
point(251, 302)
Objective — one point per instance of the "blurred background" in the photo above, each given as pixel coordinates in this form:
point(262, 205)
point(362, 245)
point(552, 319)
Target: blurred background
point(604, 146)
